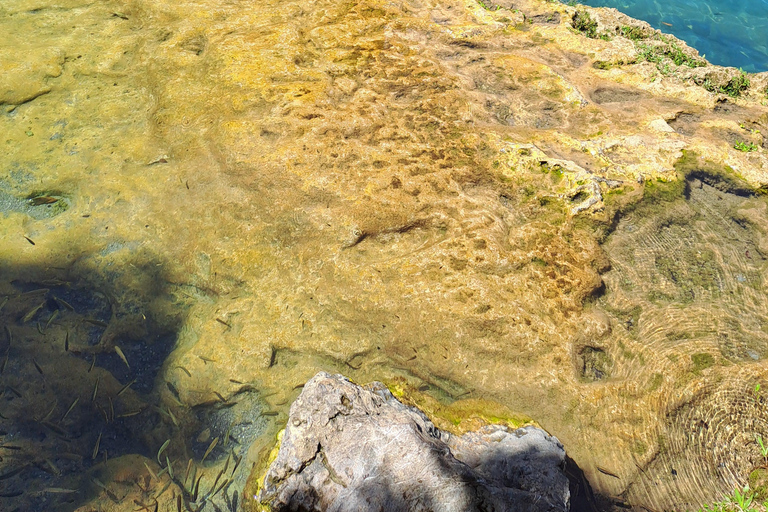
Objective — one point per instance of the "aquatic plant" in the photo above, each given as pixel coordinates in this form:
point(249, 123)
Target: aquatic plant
point(745, 146)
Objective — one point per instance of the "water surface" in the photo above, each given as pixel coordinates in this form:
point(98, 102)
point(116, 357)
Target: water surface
point(728, 33)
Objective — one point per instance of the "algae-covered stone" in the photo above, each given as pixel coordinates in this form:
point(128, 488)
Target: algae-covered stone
point(353, 448)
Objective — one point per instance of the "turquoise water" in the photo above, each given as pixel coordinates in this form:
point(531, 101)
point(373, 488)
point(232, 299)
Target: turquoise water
point(728, 32)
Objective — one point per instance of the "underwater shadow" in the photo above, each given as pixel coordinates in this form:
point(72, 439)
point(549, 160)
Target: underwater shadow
point(80, 351)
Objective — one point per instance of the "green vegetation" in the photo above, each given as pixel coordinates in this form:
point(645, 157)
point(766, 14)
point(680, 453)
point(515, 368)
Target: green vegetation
point(488, 5)
point(745, 146)
point(702, 361)
point(670, 50)
point(584, 23)
point(735, 86)
point(634, 33)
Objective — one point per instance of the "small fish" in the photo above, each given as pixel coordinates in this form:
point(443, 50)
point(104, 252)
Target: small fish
point(53, 317)
point(173, 418)
point(197, 487)
point(96, 447)
point(272, 356)
point(152, 473)
point(8, 333)
point(129, 414)
point(99, 483)
point(169, 466)
point(103, 412)
point(4, 363)
point(12, 473)
point(238, 460)
point(66, 342)
point(173, 390)
point(93, 363)
point(93, 321)
point(37, 367)
point(36, 291)
point(50, 413)
point(209, 450)
point(165, 488)
point(41, 200)
point(32, 312)
point(54, 428)
point(186, 474)
point(222, 322)
point(207, 360)
point(224, 484)
point(665, 23)
point(221, 473)
point(184, 370)
point(122, 356)
point(162, 449)
point(3, 303)
point(109, 493)
point(178, 503)
point(111, 408)
point(606, 472)
point(74, 403)
point(14, 391)
point(122, 389)
point(233, 381)
point(59, 490)
point(64, 303)
point(11, 494)
point(56, 470)
point(28, 239)
point(95, 389)
point(218, 395)
point(10, 447)
point(270, 413)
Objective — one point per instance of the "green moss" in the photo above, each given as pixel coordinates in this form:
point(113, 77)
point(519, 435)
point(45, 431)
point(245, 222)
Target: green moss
point(702, 361)
point(658, 52)
point(660, 191)
point(733, 88)
point(656, 381)
point(488, 5)
point(602, 64)
point(584, 23)
point(758, 482)
point(638, 447)
point(634, 33)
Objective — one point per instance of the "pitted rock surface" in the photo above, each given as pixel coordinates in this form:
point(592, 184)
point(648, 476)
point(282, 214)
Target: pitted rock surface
point(353, 448)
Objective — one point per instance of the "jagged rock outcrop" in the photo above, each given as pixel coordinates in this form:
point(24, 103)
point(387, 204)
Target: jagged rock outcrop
point(353, 448)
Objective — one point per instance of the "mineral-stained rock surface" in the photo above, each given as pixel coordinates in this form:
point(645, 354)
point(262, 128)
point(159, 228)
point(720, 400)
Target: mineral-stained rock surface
point(352, 448)
point(471, 199)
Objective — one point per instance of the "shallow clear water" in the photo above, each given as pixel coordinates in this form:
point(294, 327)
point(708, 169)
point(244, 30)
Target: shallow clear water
point(728, 32)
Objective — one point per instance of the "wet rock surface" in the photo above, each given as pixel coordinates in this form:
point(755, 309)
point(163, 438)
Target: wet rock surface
point(432, 193)
point(353, 448)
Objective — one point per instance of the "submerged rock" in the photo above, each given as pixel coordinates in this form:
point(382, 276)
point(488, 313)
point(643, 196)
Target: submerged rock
point(348, 447)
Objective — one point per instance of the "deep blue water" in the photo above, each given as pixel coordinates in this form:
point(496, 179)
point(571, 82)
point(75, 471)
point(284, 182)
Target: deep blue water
point(728, 32)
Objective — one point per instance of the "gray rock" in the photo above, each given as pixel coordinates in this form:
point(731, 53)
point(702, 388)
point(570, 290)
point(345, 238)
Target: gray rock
point(353, 448)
